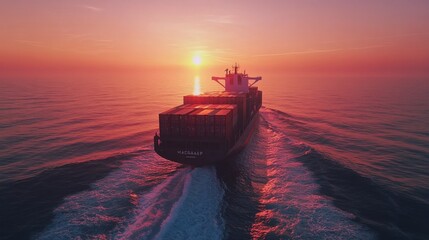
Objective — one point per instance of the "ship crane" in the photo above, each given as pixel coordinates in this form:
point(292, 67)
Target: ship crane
point(236, 82)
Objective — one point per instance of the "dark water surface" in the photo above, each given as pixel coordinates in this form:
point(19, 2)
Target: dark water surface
point(340, 158)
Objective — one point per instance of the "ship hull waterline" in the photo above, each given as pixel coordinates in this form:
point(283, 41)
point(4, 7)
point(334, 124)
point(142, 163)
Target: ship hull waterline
point(201, 157)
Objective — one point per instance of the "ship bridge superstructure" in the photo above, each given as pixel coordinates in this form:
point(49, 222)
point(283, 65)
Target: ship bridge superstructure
point(235, 81)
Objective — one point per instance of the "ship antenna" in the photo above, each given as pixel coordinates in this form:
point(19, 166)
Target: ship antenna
point(235, 68)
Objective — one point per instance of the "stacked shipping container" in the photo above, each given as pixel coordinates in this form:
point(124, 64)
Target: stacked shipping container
point(217, 116)
point(254, 101)
point(203, 121)
point(238, 99)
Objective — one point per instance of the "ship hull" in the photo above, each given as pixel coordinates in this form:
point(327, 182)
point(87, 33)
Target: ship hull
point(205, 156)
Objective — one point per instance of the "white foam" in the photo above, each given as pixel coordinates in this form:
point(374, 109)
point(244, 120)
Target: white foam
point(106, 205)
point(154, 207)
point(291, 203)
point(197, 213)
point(183, 205)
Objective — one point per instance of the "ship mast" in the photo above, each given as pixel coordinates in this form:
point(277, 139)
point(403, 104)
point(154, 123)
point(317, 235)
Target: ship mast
point(236, 67)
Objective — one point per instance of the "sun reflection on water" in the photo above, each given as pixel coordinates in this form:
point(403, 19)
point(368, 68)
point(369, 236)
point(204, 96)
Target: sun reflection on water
point(197, 88)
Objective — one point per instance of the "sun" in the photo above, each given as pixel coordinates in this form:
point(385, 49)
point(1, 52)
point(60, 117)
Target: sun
point(196, 60)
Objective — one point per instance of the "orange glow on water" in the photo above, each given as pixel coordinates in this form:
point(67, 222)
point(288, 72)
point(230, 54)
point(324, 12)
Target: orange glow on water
point(197, 87)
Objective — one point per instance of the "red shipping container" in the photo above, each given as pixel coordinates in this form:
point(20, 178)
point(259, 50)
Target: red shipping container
point(178, 122)
point(192, 122)
point(165, 122)
point(223, 123)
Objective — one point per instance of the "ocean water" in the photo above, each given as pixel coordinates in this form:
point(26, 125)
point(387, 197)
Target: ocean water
point(344, 158)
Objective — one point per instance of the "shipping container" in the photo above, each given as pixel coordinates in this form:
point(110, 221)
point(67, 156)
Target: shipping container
point(223, 120)
point(232, 107)
point(192, 123)
point(227, 98)
point(205, 123)
point(178, 122)
point(165, 121)
point(253, 90)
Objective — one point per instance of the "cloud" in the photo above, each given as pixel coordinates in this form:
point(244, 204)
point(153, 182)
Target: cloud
point(220, 19)
point(78, 43)
point(92, 8)
point(30, 43)
point(310, 51)
point(85, 37)
point(372, 46)
point(298, 52)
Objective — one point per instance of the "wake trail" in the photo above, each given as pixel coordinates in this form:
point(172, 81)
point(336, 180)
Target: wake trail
point(154, 207)
point(196, 214)
point(145, 198)
point(291, 203)
point(101, 211)
point(185, 206)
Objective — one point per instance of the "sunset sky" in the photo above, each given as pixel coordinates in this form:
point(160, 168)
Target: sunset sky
point(305, 36)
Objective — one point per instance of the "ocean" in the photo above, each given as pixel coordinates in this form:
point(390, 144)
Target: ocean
point(332, 158)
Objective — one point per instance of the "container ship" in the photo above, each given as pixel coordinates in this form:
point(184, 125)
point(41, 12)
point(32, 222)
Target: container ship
point(209, 127)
